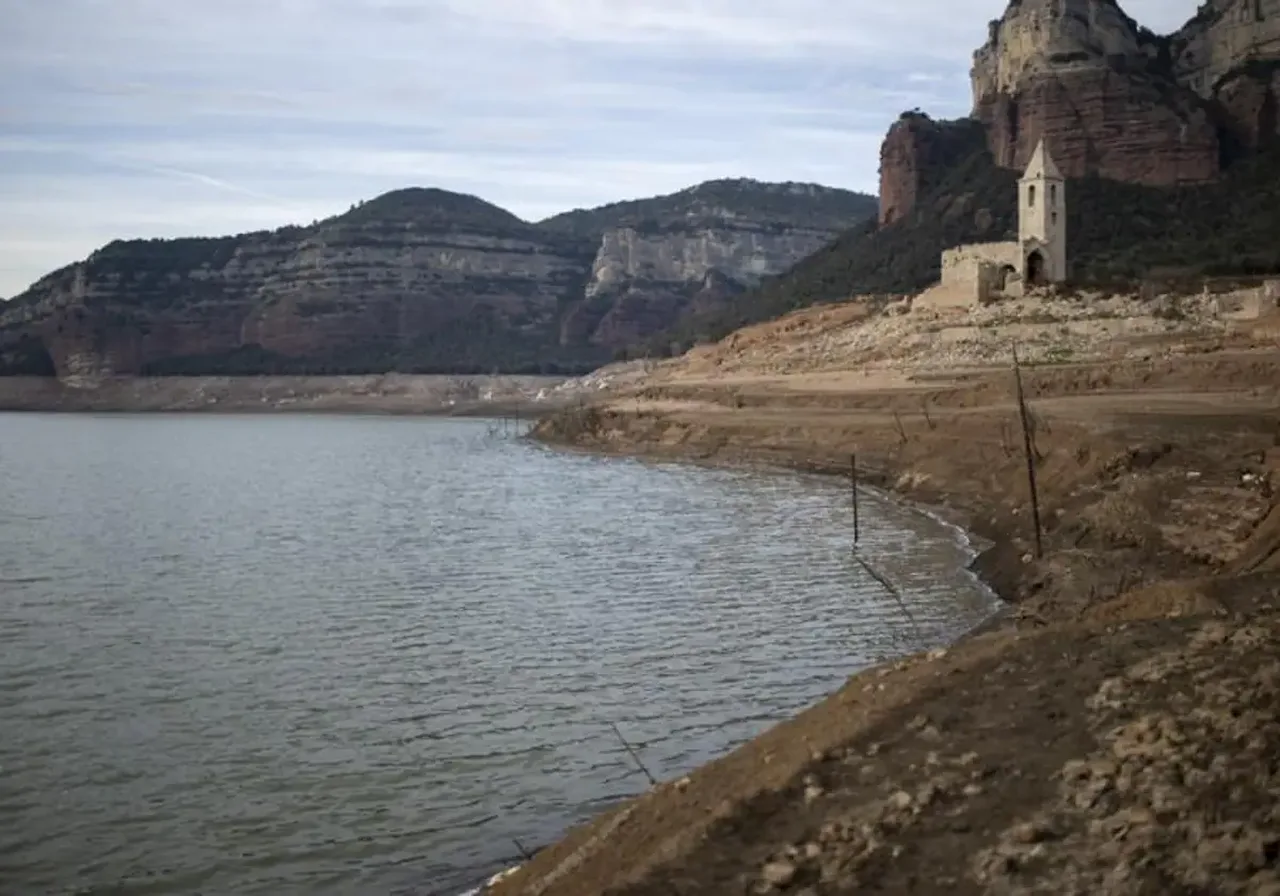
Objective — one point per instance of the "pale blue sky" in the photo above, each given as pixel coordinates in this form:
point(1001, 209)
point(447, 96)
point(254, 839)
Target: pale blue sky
point(140, 118)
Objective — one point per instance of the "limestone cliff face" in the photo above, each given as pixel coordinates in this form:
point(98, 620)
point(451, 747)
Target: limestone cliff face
point(399, 280)
point(1228, 54)
point(417, 280)
point(1111, 98)
point(1223, 37)
point(1038, 37)
point(642, 279)
point(397, 290)
point(690, 252)
point(1082, 75)
point(1249, 102)
point(744, 254)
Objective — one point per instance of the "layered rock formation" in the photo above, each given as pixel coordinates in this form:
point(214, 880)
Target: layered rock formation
point(690, 253)
point(1111, 98)
point(914, 158)
point(1082, 75)
point(1228, 54)
point(1168, 196)
point(418, 280)
point(1223, 37)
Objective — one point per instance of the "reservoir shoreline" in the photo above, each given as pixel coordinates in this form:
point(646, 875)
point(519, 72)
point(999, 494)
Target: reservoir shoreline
point(976, 547)
point(991, 730)
point(1161, 530)
point(987, 563)
point(956, 511)
point(402, 640)
point(387, 394)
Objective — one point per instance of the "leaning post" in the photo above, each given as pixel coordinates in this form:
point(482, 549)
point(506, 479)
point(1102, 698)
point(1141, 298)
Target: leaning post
point(853, 492)
point(1029, 451)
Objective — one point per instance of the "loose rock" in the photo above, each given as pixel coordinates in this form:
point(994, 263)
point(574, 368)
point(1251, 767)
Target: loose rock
point(779, 873)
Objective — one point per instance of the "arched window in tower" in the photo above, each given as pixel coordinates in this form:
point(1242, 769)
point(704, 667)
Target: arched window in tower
point(1053, 194)
point(1031, 196)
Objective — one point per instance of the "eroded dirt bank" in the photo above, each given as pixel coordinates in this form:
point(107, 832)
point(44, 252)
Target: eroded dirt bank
point(1116, 733)
point(385, 394)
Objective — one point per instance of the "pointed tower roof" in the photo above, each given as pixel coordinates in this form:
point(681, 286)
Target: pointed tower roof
point(1041, 166)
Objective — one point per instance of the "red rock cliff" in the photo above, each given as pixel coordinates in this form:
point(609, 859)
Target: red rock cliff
point(1111, 98)
point(1084, 76)
point(1229, 54)
point(914, 157)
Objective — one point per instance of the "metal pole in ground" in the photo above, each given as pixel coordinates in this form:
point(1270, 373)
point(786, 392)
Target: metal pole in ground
point(853, 490)
point(889, 587)
point(1029, 451)
point(635, 756)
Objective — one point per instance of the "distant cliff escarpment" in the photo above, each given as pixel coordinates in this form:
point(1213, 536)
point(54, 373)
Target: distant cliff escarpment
point(1171, 144)
point(1111, 98)
point(419, 281)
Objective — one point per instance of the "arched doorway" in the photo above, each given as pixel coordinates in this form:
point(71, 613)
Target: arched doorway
point(1035, 269)
point(1008, 274)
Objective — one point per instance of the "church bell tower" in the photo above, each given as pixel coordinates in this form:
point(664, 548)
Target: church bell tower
point(1042, 220)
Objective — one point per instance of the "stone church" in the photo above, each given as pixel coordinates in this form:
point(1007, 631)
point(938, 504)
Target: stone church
point(985, 272)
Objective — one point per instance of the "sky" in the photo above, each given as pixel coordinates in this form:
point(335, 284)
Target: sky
point(157, 118)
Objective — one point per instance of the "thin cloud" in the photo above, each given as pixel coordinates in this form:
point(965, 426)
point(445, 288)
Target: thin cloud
point(215, 182)
point(138, 118)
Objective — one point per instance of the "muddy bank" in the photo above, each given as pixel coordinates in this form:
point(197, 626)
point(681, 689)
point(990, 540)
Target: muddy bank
point(385, 394)
point(1110, 735)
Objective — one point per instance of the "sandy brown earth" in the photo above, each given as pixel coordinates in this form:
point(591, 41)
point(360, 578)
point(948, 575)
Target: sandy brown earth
point(1116, 731)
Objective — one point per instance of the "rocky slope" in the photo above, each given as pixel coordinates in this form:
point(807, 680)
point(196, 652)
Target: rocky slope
point(418, 280)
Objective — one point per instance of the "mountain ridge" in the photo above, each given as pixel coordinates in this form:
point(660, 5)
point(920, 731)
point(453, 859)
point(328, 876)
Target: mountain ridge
point(418, 279)
point(1161, 137)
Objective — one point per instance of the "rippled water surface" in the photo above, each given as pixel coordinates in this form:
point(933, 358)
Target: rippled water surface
point(344, 655)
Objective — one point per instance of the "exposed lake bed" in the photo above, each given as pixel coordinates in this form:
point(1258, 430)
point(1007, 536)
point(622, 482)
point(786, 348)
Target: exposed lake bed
point(334, 655)
point(389, 393)
point(1109, 731)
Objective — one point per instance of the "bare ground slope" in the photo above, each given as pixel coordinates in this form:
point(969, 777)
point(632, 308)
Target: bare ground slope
point(1117, 732)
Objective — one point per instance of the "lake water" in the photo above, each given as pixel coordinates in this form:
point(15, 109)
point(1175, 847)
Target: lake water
point(362, 655)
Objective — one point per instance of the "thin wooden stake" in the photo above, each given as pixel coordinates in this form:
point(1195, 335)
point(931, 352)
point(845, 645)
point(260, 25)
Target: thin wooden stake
point(1029, 451)
point(853, 491)
point(652, 780)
